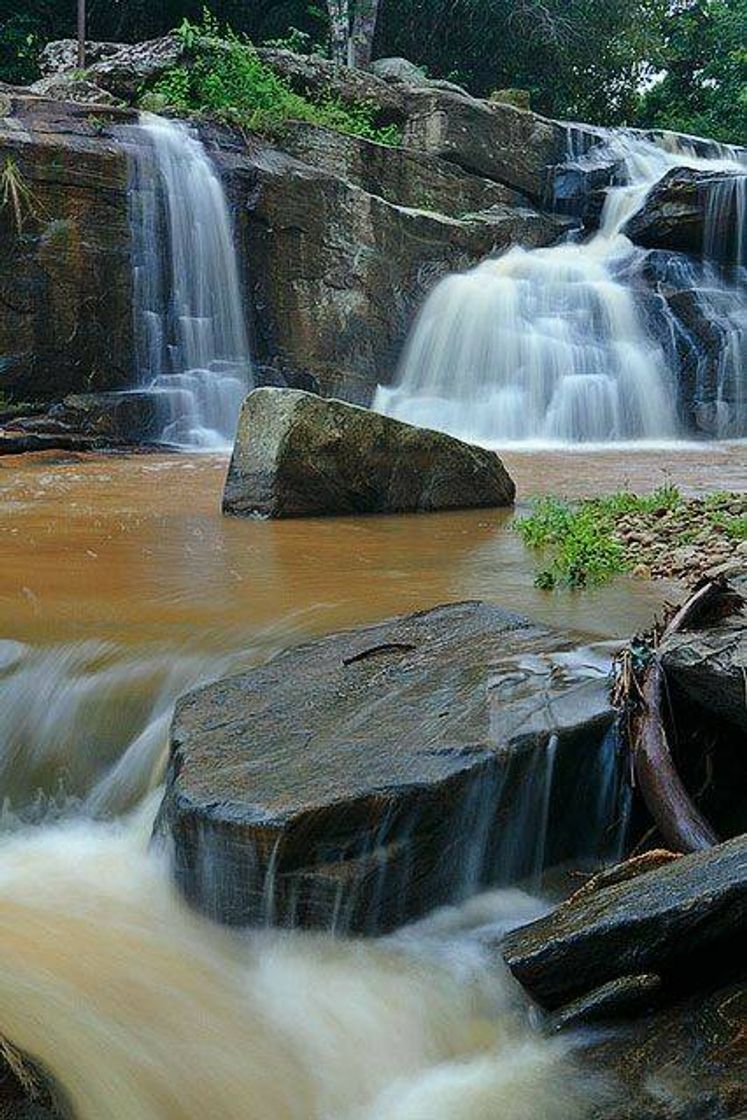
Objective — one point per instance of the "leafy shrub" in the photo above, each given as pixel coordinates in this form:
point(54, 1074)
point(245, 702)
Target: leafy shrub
point(226, 78)
point(577, 540)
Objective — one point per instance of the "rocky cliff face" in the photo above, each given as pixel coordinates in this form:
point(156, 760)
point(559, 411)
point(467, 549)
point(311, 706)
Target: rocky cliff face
point(65, 278)
point(341, 238)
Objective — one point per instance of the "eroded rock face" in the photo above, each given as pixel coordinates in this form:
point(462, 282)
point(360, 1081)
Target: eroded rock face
point(710, 664)
point(341, 238)
point(674, 214)
point(357, 781)
point(65, 280)
point(687, 915)
point(297, 455)
point(338, 269)
point(497, 141)
point(684, 1062)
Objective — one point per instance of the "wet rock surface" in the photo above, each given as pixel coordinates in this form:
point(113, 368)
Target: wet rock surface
point(494, 140)
point(65, 277)
point(297, 455)
point(680, 921)
point(684, 1062)
point(342, 239)
point(710, 664)
point(674, 213)
point(357, 781)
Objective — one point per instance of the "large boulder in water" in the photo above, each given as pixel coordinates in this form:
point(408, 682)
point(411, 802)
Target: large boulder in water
point(357, 781)
point(681, 921)
point(297, 455)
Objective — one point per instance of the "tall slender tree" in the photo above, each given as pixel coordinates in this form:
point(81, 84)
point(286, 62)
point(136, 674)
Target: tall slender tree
point(363, 32)
point(81, 34)
point(352, 28)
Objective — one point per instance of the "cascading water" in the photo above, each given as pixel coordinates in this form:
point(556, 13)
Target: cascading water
point(190, 333)
point(557, 345)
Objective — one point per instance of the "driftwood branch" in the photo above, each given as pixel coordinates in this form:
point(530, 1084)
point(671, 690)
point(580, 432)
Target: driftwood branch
point(677, 818)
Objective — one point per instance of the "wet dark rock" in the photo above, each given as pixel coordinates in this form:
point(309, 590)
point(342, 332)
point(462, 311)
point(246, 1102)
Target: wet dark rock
point(710, 664)
point(337, 265)
point(65, 279)
point(297, 455)
point(671, 921)
point(684, 1062)
point(674, 213)
point(131, 417)
point(621, 998)
point(24, 1092)
point(357, 781)
point(337, 271)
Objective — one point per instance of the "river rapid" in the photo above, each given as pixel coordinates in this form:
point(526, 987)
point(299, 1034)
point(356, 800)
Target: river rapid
point(121, 586)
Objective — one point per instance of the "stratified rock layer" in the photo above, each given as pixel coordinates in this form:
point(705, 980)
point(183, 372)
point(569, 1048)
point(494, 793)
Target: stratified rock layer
point(65, 275)
point(687, 915)
point(357, 781)
point(297, 455)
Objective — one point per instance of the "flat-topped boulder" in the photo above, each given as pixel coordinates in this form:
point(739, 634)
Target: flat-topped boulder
point(357, 781)
point(682, 921)
point(298, 455)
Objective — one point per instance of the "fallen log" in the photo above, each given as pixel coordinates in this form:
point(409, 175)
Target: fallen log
point(680, 822)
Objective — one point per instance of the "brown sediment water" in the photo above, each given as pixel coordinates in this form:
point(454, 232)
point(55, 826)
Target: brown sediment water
point(134, 549)
point(121, 585)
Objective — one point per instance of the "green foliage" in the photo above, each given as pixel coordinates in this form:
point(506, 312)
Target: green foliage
point(577, 537)
point(20, 42)
point(704, 87)
point(16, 197)
point(226, 78)
point(576, 541)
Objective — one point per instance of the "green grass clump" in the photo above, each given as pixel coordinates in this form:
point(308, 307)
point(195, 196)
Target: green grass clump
point(577, 541)
point(226, 78)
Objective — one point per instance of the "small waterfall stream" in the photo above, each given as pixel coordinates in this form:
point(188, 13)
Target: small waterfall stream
point(559, 345)
point(190, 334)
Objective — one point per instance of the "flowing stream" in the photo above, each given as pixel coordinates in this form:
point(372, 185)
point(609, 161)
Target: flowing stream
point(557, 345)
point(140, 1009)
point(191, 341)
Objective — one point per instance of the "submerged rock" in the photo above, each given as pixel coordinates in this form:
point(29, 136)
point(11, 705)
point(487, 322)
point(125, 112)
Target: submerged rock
point(297, 455)
point(357, 781)
point(685, 916)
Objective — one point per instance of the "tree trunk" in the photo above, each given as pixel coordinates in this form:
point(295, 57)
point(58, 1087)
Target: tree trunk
point(81, 34)
point(364, 30)
point(339, 29)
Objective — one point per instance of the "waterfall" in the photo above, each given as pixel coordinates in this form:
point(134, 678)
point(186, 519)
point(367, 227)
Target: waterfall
point(190, 336)
point(566, 344)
